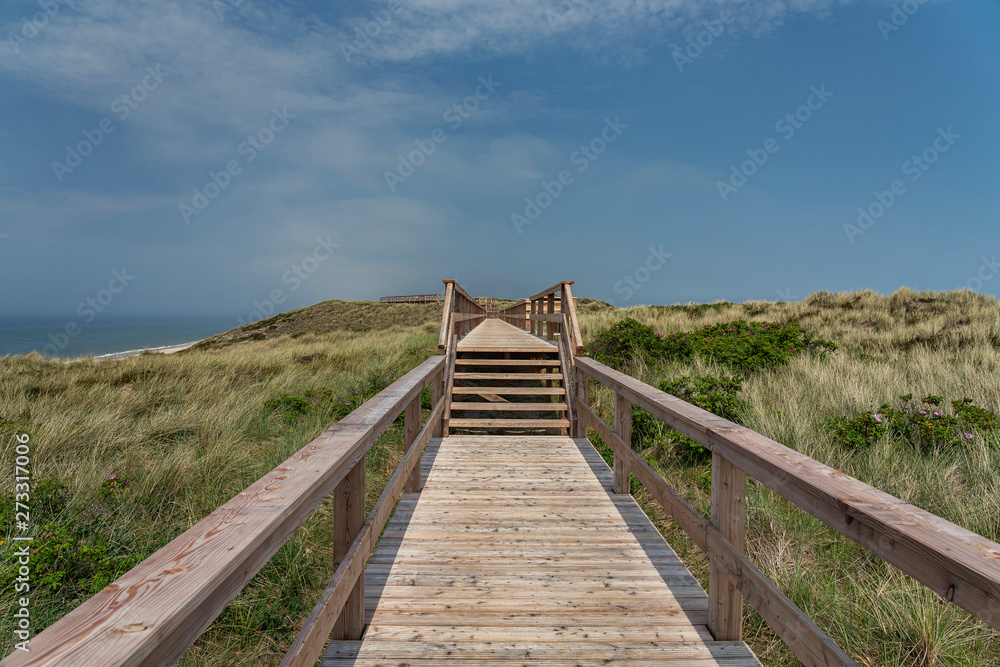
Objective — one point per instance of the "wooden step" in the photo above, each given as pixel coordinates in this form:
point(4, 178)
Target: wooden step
point(502, 391)
point(507, 362)
point(509, 423)
point(512, 407)
point(508, 376)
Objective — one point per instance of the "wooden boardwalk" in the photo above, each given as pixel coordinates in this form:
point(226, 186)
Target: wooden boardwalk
point(499, 336)
point(516, 552)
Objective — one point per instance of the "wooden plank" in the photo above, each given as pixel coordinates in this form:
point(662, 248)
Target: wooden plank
point(510, 423)
point(508, 376)
point(511, 407)
point(729, 486)
point(956, 563)
point(180, 589)
point(527, 363)
point(467, 557)
point(556, 318)
point(511, 391)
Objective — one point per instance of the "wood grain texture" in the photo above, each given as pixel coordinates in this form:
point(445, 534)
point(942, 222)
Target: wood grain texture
point(806, 640)
point(729, 516)
point(512, 553)
point(955, 563)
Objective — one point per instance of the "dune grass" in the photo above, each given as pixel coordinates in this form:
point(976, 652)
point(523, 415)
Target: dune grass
point(188, 431)
point(930, 343)
point(191, 430)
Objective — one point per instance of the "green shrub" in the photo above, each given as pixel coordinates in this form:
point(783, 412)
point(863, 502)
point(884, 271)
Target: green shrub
point(923, 424)
point(290, 407)
point(717, 395)
point(743, 346)
point(73, 555)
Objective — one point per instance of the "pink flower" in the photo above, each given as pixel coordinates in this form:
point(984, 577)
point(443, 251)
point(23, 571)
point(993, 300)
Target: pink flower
point(938, 414)
point(878, 418)
point(923, 412)
point(113, 476)
point(969, 436)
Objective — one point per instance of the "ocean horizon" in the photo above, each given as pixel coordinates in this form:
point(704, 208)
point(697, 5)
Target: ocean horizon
point(65, 337)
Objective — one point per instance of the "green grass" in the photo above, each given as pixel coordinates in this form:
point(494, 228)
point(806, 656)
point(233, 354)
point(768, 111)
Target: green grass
point(945, 344)
point(191, 430)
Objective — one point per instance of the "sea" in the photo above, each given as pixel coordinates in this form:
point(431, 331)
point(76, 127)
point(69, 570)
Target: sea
point(107, 336)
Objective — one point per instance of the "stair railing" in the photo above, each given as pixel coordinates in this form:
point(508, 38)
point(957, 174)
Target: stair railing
point(461, 314)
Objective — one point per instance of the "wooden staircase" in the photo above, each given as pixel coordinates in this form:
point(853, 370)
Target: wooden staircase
point(512, 390)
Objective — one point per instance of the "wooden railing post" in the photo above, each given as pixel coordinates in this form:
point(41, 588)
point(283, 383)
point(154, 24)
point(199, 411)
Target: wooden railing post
point(348, 519)
point(411, 428)
point(729, 516)
point(623, 427)
point(437, 392)
point(550, 327)
point(579, 392)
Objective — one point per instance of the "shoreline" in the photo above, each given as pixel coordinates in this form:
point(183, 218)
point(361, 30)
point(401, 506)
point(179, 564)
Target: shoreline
point(165, 349)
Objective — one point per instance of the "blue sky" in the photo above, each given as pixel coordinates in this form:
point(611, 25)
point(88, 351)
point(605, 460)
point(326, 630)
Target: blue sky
point(250, 143)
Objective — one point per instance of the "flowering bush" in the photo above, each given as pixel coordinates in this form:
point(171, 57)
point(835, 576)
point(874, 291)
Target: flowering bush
point(113, 484)
point(922, 424)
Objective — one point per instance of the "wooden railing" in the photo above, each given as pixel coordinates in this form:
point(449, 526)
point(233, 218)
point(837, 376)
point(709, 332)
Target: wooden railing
point(461, 314)
point(957, 564)
point(153, 613)
point(413, 298)
point(539, 315)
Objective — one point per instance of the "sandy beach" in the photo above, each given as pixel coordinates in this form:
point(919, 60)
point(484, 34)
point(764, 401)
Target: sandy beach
point(170, 349)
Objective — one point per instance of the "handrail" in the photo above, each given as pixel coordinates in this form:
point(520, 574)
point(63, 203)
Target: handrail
point(155, 611)
point(462, 313)
point(538, 315)
point(957, 564)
